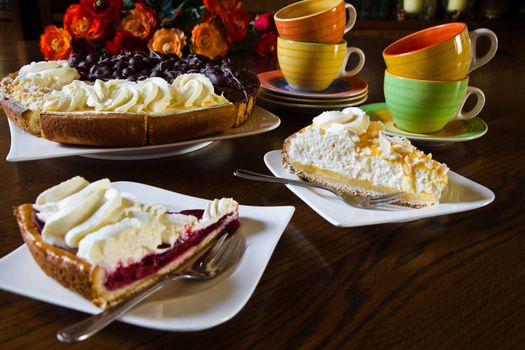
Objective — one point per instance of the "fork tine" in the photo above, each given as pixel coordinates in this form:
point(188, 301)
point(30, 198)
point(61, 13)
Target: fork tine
point(233, 254)
point(389, 201)
point(385, 200)
point(382, 196)
point(237, 252)
point(217, 246)
point(226, 248)
point(230, 256)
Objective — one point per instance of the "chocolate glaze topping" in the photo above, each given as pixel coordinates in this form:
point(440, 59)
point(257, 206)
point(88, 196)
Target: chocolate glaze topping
point(236, 85)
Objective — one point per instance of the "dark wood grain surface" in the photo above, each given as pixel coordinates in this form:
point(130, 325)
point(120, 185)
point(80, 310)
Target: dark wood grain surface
point(450, 282)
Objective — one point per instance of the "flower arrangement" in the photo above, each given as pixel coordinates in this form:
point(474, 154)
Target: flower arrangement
point(265, 24)
point(208, 28)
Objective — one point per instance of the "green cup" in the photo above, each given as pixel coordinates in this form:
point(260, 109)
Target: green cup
point(426, 106)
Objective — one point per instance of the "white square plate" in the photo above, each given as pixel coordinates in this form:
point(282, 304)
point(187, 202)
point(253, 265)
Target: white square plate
point(25, 146)
point(461, 194)
point(183, 306)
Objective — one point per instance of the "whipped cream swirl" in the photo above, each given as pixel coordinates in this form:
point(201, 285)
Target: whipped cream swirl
point(152, 96)
point(111, 228)
point(352, 119)
point(194, 90)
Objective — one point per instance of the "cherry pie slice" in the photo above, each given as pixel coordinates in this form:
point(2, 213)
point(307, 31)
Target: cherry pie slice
point(106, 246)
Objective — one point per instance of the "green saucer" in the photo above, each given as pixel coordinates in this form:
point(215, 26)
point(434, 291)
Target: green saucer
point(455, 131)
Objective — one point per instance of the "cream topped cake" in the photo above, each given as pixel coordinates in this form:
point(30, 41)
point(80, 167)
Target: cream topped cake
point(97, 101)
point(53, 86)
point(346, 151)
point(105, 245)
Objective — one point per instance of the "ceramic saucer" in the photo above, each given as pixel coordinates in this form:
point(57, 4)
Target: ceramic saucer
point(455, 131)
point(304, 107)
point(281, 98)
point(275, 82)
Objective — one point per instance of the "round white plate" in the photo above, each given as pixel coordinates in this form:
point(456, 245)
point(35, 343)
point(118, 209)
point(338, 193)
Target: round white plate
point(148, 153)
point(25, 146)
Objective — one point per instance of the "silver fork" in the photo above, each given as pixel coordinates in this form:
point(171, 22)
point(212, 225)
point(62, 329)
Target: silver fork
point(222, 254)
point(350, 199)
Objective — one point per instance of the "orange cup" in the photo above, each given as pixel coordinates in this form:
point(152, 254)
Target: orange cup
point(443, 52)
point(319, 21)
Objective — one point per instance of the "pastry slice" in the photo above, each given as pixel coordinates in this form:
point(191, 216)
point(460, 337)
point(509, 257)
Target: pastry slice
point(345, 151)
point(106, 246)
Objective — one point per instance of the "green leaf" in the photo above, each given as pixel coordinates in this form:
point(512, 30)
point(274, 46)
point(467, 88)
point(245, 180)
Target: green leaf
point(127, 4)
point(167, 6)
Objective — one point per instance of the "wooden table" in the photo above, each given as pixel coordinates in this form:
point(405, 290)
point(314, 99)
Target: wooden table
point(454, 281)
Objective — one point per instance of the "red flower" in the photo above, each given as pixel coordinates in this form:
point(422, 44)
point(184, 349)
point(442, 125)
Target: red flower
point(220, 6)
point(237, 22)
point(55, 43)
point(81, 24)
point(140, 21)
point(264, 22)
point(125, 41)
point(106, 9)
point(267, 46)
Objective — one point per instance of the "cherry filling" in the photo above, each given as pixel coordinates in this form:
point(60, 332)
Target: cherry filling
point(152, 263)
point(193, 212)
point(38, 224)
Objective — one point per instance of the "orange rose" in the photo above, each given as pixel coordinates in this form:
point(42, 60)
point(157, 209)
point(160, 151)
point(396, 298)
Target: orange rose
point(168, 41)
point(81, 24)
point(237, 22)
point(209, 40)
point(55, 43)
point(140, 21)
point(220, 6)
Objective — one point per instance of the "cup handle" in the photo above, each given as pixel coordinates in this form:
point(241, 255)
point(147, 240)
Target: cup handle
point(352, 16)
point(360, 64)
point(477, 108)
point(477, 62)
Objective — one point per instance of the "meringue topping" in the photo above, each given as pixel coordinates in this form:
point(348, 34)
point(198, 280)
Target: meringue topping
point(347, 142)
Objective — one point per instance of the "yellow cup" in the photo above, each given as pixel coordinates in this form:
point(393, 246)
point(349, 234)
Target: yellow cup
point(311, 66)
point(445, 52)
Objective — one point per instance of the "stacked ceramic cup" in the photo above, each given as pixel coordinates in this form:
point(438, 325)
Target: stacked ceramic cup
point(426, 80)
point(310, 48)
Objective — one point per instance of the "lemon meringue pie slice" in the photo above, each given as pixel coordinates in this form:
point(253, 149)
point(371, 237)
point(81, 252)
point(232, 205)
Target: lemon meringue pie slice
point(346, 151)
